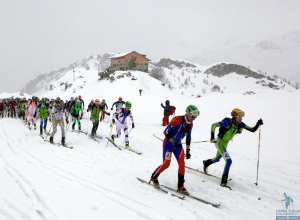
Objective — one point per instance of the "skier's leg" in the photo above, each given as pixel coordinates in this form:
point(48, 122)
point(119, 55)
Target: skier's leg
point(221, 147)
point(167, 150)
point(79, 124)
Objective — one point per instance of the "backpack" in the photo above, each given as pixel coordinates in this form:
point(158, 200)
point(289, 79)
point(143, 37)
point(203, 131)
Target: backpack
point(222, 130)
point(172, 110)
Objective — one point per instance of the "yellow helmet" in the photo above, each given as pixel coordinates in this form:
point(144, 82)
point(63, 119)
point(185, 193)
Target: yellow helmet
point(237, 113)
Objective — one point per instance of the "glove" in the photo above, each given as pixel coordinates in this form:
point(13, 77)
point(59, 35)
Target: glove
point(260, 122)
point(212, 141)
point(67, 121)
point(81, 118)
point(132, 125)
point(212, 137)
point(111, 109)
point(108, 113)
point(88, 110)
point(34, 115)
point(176, 144)
point(113, 121)
point(188, 154)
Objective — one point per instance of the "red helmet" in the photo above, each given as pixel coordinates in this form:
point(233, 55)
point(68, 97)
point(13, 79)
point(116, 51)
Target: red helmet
point(97, 100)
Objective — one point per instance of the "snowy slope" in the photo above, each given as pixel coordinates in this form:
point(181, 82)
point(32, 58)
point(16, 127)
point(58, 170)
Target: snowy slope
point(98, 181)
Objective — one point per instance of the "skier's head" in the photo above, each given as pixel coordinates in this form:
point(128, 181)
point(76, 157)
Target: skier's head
point(103, 100)
point(127, 106)
point(192, 113)
point(92, 101)
point(120, 99)
point(237, 115)
point(167, 102)
point(97, 102)
point(79, 96)
point(61, 104)
point(43, 101)
point(58, 99)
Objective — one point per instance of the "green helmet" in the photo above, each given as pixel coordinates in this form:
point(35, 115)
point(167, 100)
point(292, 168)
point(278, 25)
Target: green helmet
point(43, 100)
point(103, 100)
point(128, 104)
point(192, 110)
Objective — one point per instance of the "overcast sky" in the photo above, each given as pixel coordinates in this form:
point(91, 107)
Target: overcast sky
point(38, 36)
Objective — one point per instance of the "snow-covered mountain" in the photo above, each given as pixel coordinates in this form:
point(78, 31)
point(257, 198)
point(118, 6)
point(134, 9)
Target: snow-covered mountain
point(275, 56)
point(181, 77)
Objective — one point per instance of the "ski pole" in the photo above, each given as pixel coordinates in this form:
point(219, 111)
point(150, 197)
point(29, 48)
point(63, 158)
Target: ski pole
point(163, 163)
point(50, 129)
point(112, 125)
point(183, 143)
point(258, 155)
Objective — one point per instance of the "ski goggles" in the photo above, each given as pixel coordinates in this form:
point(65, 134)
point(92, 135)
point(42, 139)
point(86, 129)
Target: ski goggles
point(240, 114)
point(194, 114)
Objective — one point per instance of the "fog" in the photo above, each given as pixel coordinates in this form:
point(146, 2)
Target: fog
point(37, 37)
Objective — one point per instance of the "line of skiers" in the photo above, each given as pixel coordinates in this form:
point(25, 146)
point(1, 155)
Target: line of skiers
point(58, 112)
point(180, 127)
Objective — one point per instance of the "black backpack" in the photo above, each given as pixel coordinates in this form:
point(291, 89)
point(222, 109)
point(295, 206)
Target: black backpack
point(223, 130)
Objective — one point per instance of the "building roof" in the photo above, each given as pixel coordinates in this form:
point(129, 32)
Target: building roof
point(121, 54)
point(124, 54)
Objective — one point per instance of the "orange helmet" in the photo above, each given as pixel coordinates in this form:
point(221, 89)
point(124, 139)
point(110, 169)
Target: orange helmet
point(97, 100)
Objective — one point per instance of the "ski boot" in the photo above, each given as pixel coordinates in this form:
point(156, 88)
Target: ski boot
point(63, 141)
point(180, 186)
point(45, 130)
point(154, 180)
point(73, 127)
point(34, 127)
point(112, 139)
point(41, 132)
point(51, 140)
point(224, 181)
point(79, 128)
point(93, 134)
point(29, 126)
point(127, 145)
point(206, 164)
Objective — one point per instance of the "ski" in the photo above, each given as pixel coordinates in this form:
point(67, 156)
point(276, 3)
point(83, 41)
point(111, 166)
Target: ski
point(113, 143)
point(138, 153)
point(158, 188)
point(228, 187)
point(59, 144)
point(199, 171)
point(80, 132)
point(93, 138)
point(64, 145)
point(194, 197)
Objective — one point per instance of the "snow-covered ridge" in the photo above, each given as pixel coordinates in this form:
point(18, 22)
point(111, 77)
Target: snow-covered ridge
point(181, 77)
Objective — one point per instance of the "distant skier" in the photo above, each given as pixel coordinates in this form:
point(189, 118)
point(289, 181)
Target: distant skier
point(89, 106)
point(2, 108)
point(119, 104)
point(31, 113)
point(179, 127)
point(58, 119)
point(95, 112)
point(167, 109)
point(22, 109)
point(75, 112)
point(140, 92)
point(82, 106)
point(43, 109)
point(103, 106)
point(229, 127)
point(121, 115)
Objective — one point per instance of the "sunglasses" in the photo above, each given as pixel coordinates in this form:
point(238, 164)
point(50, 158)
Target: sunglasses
point(240, 114)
